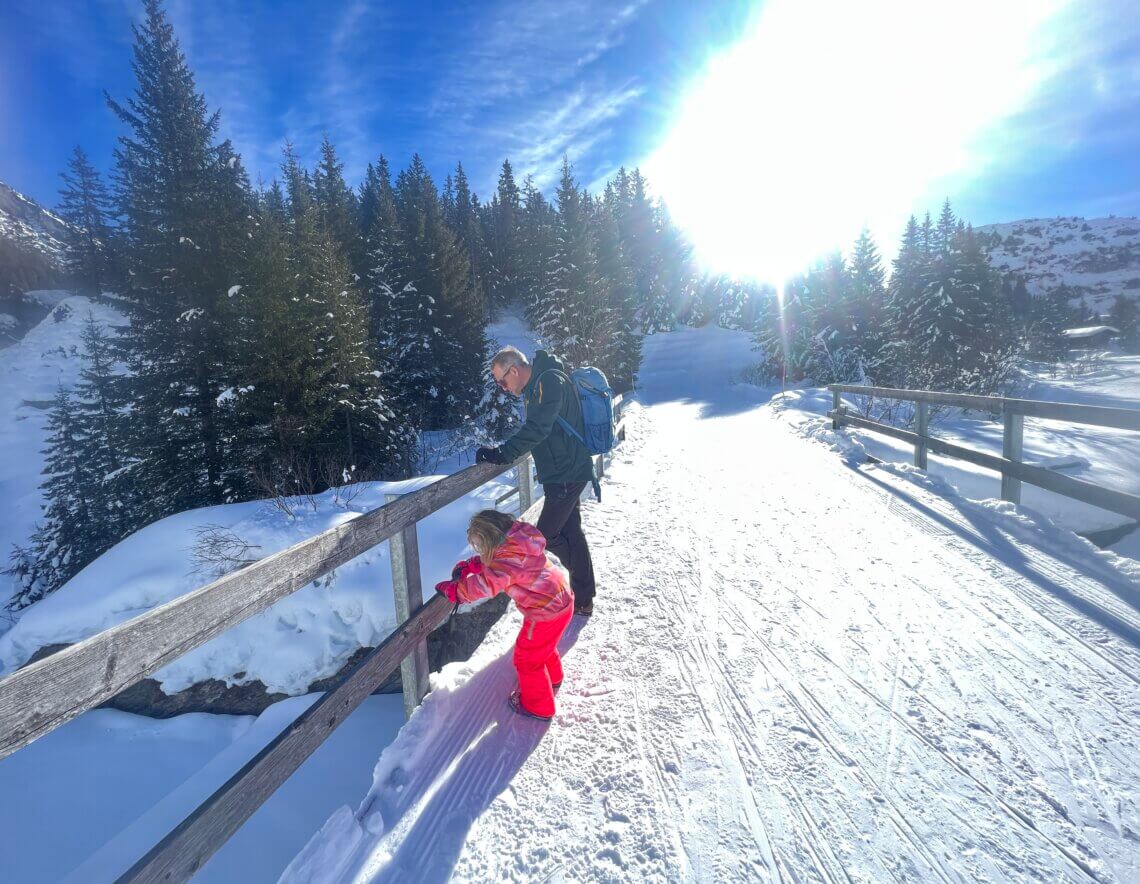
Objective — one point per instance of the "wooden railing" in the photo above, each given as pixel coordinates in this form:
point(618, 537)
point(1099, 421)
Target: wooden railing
point(1013, 413)
point(47, 694)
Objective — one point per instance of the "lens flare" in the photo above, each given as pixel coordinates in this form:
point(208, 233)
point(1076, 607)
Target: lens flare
point(831, 114)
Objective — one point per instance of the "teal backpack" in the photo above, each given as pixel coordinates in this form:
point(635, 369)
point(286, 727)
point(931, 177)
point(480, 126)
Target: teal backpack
point(596, 397)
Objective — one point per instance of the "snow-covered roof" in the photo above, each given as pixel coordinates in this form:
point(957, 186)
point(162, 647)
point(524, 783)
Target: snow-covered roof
point(1090, 331)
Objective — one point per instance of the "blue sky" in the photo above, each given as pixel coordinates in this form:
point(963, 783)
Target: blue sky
point(602, 81)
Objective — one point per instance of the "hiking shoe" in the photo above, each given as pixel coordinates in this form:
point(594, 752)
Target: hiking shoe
point(584, 609)
point(515, 702)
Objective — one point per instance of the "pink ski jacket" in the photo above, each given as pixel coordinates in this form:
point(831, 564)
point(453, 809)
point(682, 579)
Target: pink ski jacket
point(523, 569)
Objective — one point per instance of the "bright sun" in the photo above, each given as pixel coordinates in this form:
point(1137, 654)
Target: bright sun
point(832, 114)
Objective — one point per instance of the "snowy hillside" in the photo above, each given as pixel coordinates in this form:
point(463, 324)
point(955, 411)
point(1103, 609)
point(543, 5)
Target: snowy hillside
point(1099, 258)
point(26, 223)
point(33, 369)
point(305, 637)
point(31, 254)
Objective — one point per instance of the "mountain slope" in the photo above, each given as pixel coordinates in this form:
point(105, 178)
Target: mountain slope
point(32, 243)
point(1098, 258)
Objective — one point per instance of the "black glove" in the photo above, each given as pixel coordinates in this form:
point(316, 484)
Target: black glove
point(489, 455)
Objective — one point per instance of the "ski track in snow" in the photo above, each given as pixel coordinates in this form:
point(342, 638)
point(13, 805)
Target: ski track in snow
point(797, 671)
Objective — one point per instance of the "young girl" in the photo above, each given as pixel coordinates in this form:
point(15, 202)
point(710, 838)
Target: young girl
point(513, 559)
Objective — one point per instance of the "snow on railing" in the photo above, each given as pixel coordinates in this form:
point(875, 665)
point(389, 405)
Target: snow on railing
point(47, 694)
point(1013, 413)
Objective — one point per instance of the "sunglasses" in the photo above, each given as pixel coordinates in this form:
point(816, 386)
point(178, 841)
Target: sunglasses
point(502, 381)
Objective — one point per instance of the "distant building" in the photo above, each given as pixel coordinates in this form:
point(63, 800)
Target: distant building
point(1091, 337)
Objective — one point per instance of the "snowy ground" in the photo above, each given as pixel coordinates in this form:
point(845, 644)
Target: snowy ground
point(1095, 454)
point(112, 784)
point(798, 669)
point(96, 794)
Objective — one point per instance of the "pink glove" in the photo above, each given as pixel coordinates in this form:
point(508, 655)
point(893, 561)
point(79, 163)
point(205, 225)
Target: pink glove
point(449, 589)
point(472, 566)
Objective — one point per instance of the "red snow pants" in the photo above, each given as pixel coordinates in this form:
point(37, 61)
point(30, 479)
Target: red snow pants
point(537, 662)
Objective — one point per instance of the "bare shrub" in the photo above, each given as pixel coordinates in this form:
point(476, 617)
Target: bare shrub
point(218, 551)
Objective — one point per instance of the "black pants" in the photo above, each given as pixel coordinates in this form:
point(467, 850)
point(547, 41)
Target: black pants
point(561, 525)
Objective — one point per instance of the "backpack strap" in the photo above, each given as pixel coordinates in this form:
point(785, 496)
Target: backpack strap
point(565, 424)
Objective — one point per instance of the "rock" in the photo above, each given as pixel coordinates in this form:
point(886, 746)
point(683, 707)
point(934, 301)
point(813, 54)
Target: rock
point(456, 640)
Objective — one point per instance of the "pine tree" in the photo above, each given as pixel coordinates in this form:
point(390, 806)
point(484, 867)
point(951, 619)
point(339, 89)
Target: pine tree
point(185, 204)
point(338, 207)
point(276, 408)
point(623, 355)
point(469, 231)
point(640, 237)
point(944, 234)
point(503, 275)
point(438, 319)
point(387, 267)
point(343, 379)
point(867, 300)
point(88, 494)
point(572, 315)
point(86, 206)
point(1124, 318)
point(903, 294)
point(536, 244)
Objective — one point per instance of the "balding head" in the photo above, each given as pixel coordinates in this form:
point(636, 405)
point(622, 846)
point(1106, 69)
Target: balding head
point(511, 370)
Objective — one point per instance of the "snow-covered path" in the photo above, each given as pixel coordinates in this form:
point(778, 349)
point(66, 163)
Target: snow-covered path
point(796, 670)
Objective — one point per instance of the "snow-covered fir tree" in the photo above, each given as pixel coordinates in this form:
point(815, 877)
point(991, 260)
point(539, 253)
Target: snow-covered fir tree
point(536, 243)
point(90, 502)
point(437, 321)
point(343, 382)
point(86, 206)
point(503, 240)
point(572, 314)
point(184, 203)
point(338, 207)
point(623, 354)
point(468, 230)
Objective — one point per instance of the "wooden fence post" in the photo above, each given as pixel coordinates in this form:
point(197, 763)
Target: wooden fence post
point(923, 427)
point(835, 409)
point(1011, 450)
point(407, 590)
point(526, 484)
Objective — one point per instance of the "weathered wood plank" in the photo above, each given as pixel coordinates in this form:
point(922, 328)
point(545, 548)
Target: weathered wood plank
point(41, 697)
point(1013, 427)
point(1114, 501)
point(991, 404)
point(408, 595)
point(923, 418)
point(201, 835)
point(1093, 415)
point(187, 848)
point(525, 483)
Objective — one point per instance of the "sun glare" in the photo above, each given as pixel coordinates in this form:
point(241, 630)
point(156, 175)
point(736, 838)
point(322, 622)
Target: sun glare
point(832, 114)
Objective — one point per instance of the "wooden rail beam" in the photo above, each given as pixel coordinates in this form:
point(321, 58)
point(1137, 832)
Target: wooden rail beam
point(1093, 415)
point(187, 848)
point(41, 697)
point(1114, 501)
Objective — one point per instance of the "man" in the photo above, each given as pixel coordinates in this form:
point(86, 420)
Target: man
point(563, 463)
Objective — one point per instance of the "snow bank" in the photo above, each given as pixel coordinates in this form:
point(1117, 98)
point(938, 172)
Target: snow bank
point(304, 637)
point(1103, 456)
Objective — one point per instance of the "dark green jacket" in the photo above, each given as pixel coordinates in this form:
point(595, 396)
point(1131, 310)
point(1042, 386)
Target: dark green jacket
point(558, 456)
